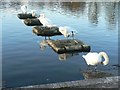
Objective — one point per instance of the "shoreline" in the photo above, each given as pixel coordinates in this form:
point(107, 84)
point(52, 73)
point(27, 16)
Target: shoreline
point(106, 82)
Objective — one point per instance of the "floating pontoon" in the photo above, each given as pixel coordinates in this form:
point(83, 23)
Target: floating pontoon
point(68, 45)
point(32, 22)
point(25, 16)
point(46, 31)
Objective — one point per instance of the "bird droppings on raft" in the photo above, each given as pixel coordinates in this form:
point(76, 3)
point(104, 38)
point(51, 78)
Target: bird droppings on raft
point(46, 31)
point(69, 45)
point(25, 16)
point(32, 22)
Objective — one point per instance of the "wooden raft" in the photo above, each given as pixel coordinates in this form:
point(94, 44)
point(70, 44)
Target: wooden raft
point(69, 45)
point(25, 16)
point(46, 31)
point(32, 22)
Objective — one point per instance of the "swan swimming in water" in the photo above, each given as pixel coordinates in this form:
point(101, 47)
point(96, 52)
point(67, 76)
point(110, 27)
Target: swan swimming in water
point(94, 58)
point(45, 21)
point(67, 31)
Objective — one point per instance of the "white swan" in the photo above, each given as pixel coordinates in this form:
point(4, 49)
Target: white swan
point(45, 21)
point(96, 58)
point(67, 31)
point(24, 8)
point(25, 11)
point(34, 14)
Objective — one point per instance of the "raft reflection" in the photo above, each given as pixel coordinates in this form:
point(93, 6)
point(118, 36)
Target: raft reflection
point(43, 44)
point(65, 56)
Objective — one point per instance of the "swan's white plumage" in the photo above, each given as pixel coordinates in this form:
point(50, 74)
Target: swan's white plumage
point(25, 11)
point(34, 14)
point(24, 8)
point(64, 31)
point(45, 21)
point(94, 58)
point(67, 31)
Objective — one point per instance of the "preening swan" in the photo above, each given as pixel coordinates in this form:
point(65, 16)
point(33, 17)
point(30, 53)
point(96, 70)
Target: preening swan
point(24, 9)
point(96, 58)
point(67, 31)
point(45, 21)
point(34, 14)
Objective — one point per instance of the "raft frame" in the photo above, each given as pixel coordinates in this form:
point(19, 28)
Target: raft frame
point(69, 45)
point(46, 31)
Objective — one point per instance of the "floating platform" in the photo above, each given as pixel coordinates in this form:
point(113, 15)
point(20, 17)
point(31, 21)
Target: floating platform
point(68, 45)
point(46, 31)
point(25, 16)
point(32, 22)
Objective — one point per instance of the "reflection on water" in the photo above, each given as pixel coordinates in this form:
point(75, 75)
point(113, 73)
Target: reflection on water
point(23, 61)
point(73, 8)
point(111, 12)
point(93, 12)
point(65, 56)
point(62, 57)
point(43, 44)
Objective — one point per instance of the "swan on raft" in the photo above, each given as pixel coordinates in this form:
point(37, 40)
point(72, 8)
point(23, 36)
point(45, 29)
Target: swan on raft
point(93, 58)
point(45, 21)
point(67, 31)
point(24, 9)
point(34, 14)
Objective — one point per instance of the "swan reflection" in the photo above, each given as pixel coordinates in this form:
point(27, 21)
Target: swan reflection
point(65, 56)
point(43, 44)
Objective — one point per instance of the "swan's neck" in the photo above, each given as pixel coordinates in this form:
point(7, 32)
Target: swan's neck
point(103, 54)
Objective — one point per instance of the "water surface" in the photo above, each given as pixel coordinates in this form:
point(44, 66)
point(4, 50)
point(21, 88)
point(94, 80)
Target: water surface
point(25, 63)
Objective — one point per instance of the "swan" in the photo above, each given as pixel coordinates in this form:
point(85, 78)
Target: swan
point(34, 14)
point(45, 21)
point(24, 9)
point(93, 58)
point(67, 31)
